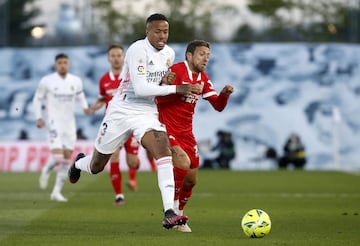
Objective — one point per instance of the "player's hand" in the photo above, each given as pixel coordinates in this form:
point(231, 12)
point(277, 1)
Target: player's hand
point(168, 78)
point(194, 89)
point(40, 123)
point(89, 111)
point(228, 89)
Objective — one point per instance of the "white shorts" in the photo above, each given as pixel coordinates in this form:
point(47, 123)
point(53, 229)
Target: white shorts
point(62, 137)
point(122, 120)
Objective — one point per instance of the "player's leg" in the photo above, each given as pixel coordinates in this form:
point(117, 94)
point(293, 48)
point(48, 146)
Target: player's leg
point(112, 133)
point(116, 178)
point(189, 181)
point(133, 164)
point(181, 163)
point(91, 164)
point(185, 194)
point(158, 144)
point(61, 175)
point(132, 160)
point(186, 191)
point(55, 158)
point(55, 142)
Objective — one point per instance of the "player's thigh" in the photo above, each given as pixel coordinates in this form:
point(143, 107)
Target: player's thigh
point(151, 133)
point(54, 139)
point(157, 143)
point(111, 135)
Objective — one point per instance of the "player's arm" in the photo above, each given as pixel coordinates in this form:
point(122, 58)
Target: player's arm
point(138, 71)
point(100, 102)
point(219, 102)
point(37, 104)
point(168, 78)
point(80, 97)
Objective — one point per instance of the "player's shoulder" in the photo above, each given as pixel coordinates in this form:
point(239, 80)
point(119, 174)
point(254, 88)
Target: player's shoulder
point(136, 46)
point(46, 79)
point(178, 65)
point(104, 77)
point(74, 77)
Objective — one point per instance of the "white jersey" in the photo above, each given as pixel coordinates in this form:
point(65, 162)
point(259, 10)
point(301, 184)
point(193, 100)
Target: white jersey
point(60, 97)
point(133, 110)
point(144, 66)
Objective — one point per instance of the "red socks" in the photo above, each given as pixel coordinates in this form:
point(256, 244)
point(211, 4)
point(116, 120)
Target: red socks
point(133, 170)
point(185, 195)
point(179, 176)
point(116, 177)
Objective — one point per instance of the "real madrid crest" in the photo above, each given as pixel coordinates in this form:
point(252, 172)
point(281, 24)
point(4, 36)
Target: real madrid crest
point(168, 62)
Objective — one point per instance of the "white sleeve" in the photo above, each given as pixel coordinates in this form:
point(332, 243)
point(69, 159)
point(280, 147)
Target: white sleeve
point(38, 98)
point(80, 96)
point(137, 69)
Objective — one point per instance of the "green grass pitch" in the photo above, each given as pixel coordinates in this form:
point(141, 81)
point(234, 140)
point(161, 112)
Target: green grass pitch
point(305, 207)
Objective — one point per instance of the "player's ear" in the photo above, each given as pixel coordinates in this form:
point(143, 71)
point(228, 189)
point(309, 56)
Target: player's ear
point(188, 56)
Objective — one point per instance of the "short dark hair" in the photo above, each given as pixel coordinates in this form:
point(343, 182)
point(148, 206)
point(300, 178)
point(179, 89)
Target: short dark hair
point(156, 17)
point(196, 43)
point(61, 55)
point(115, 46)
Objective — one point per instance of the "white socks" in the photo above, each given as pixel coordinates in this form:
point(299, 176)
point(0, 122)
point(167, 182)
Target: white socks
point(166, 181)
point(54, 159)
point(84, 164)
point(61, 176)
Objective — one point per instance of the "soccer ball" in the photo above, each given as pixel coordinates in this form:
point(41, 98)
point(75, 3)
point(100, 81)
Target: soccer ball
point(256, 223)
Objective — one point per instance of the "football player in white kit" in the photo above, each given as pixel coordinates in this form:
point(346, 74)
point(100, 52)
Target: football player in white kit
point(133, 110)
point(60, 90)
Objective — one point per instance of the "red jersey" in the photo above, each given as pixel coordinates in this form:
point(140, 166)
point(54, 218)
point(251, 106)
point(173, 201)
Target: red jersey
point(176, 111)
point(108, 85)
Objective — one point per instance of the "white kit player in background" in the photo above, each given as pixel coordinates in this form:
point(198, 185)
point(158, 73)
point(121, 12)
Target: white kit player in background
point(60, 89)
point(133, 110)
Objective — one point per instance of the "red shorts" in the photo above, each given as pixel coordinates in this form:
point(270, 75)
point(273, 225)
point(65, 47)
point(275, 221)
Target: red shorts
point(188, 144)
point(132, 145)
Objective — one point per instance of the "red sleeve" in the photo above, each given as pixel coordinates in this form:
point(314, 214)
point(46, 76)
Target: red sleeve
point(101, 87)
point(218, 102)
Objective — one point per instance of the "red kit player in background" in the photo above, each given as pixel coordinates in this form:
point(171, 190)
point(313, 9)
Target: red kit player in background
point(108, 85)
point(179, 126)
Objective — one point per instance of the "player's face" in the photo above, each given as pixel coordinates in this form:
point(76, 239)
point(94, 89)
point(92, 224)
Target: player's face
point(158, 33)
point(116, 58)
point(199, 60)
point(62, 66)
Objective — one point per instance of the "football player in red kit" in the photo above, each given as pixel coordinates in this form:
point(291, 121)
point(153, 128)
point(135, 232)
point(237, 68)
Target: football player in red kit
point(108, 85)
point(179, 125)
